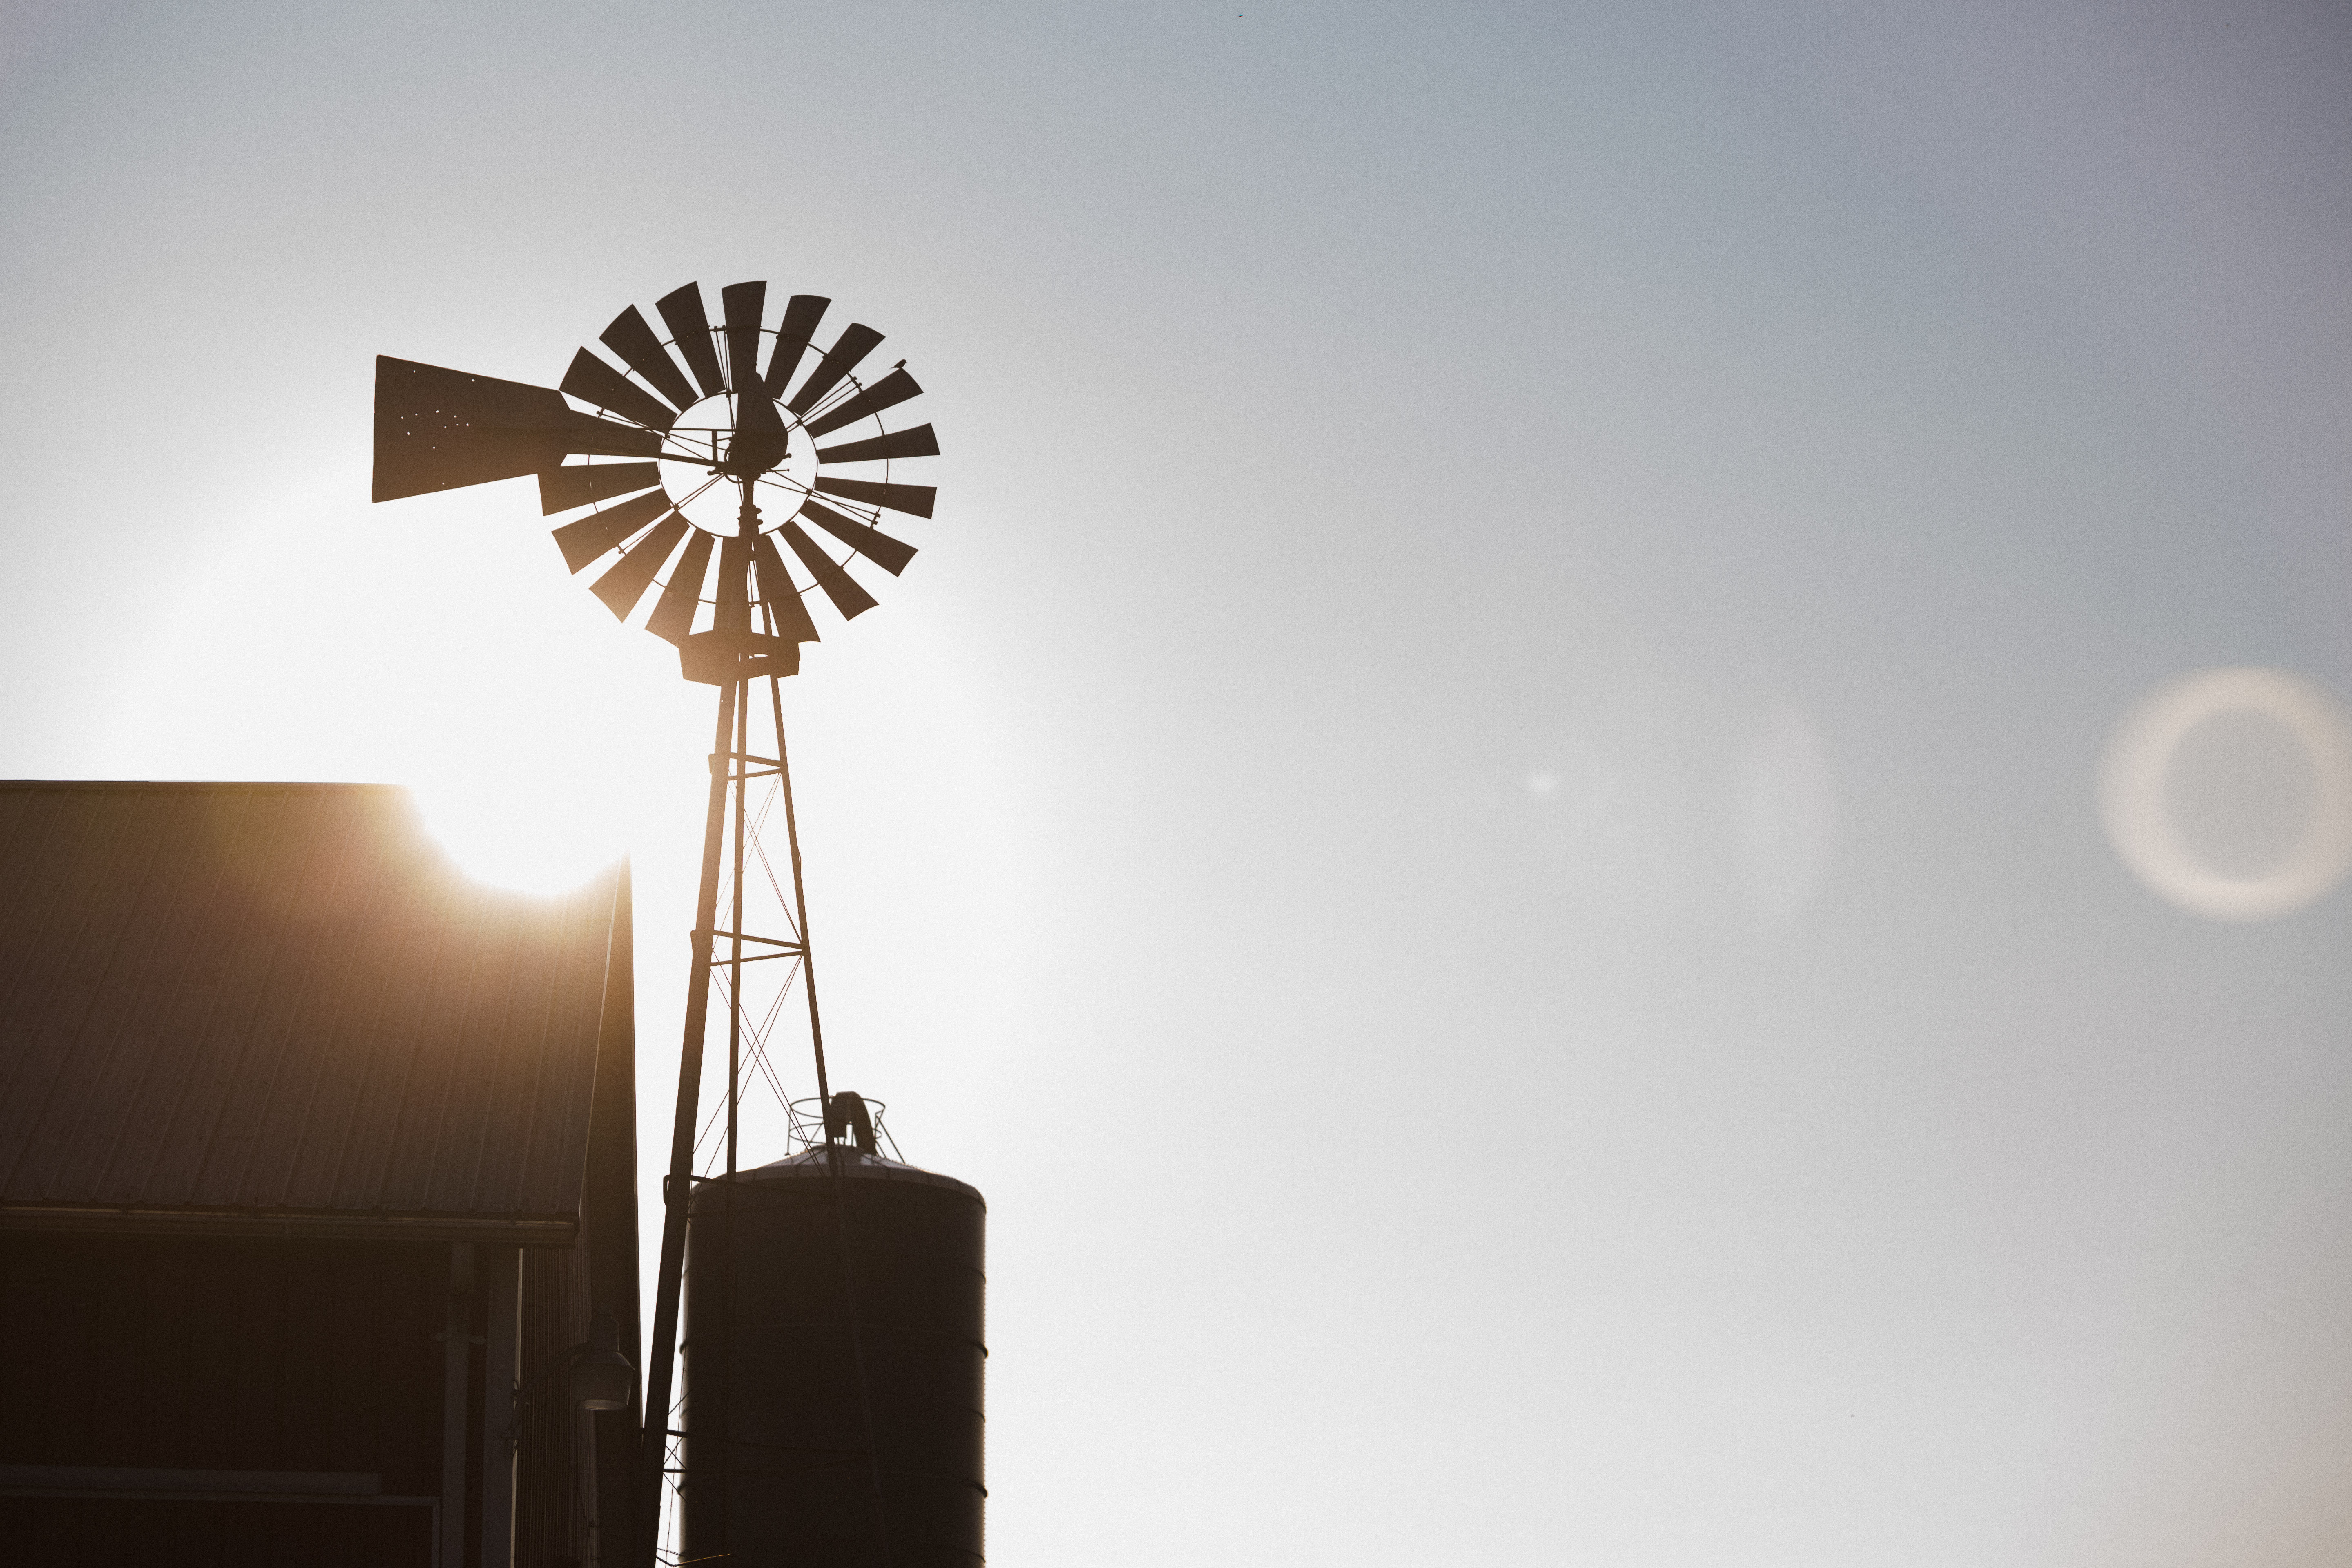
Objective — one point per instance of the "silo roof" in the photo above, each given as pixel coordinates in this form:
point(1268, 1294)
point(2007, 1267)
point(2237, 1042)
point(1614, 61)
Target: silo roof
point(815, 1164)
point(279, 1009)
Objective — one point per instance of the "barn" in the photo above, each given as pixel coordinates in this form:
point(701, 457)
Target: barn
point(317, 1189)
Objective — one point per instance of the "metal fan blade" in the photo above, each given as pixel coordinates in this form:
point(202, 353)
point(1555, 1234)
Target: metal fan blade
point(884, 552)
point(439, 429)
point(590, 380)
point(776, 583)
point(673, 615)
point(585, 540)
point(626, 584)
point(839, 586)
point(560, 489)
point(856, 343)
point(744, 303)
point(920, 442)
point(629, 337)
point(681, 313)
point(890, 391)
point(592, 437)
point(734, 596)
point(914, 500)
point(802, 313)
point(776, 592)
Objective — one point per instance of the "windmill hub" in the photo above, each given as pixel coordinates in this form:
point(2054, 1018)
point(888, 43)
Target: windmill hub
point(774, 453)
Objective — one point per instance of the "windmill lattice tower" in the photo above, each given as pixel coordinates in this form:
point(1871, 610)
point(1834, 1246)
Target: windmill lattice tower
point(825, 1420)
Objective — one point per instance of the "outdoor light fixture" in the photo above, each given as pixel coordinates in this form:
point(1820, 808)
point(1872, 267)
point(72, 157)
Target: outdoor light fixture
point(602, 1377)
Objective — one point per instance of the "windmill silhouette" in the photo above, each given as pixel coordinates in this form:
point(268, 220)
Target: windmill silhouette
point(716, 477)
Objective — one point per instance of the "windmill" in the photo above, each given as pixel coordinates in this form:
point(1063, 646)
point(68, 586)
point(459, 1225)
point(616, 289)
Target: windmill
point(718, 479)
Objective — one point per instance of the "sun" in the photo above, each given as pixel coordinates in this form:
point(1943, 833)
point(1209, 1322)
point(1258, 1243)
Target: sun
point(506, 834)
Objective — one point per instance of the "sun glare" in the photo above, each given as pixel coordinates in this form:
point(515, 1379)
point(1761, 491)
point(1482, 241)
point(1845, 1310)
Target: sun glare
point(531, 841)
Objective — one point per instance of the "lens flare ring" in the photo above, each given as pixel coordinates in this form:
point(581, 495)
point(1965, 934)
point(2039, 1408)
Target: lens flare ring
point(2147, 833)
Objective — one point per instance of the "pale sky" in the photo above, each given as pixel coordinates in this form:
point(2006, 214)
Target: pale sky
point(1480, 819)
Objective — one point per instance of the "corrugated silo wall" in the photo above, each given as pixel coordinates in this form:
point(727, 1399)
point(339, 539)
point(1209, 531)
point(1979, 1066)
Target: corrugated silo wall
point(836, 1367)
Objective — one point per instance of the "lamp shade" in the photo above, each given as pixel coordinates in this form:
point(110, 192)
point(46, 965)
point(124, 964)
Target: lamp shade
point(603, 1380)
point(602, 1377)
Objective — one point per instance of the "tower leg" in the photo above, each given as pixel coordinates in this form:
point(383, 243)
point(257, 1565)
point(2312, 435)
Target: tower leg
point(661, 1354)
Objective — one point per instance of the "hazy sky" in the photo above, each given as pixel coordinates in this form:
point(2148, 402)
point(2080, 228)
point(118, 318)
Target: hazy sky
point(1479, 819)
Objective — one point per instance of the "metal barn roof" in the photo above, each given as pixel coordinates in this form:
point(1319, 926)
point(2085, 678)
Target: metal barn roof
point(278, 1007)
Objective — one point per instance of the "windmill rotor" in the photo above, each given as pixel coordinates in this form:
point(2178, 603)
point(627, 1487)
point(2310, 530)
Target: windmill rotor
point(720, 474)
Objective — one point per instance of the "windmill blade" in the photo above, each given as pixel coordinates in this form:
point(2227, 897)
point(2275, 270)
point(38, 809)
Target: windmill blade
point(626, 584)
point(682, 314)
point(590, 436)
point(920, 442)
point(734, 596)
point(744, 303)
point(673, 615)
point(438, 429)
point(629, 337)
point(585, 540)
point(884, 552)
point(776, 592)
point(856, 343)
point(560, 489)
point(802, 313)
point(590, 380)
point(839, 586)
point(913, 499)
point(887, 392)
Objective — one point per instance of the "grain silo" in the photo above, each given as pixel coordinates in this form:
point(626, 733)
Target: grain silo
point(834, 1361)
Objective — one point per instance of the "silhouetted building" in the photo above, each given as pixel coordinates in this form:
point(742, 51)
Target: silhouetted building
point(316, 1163)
